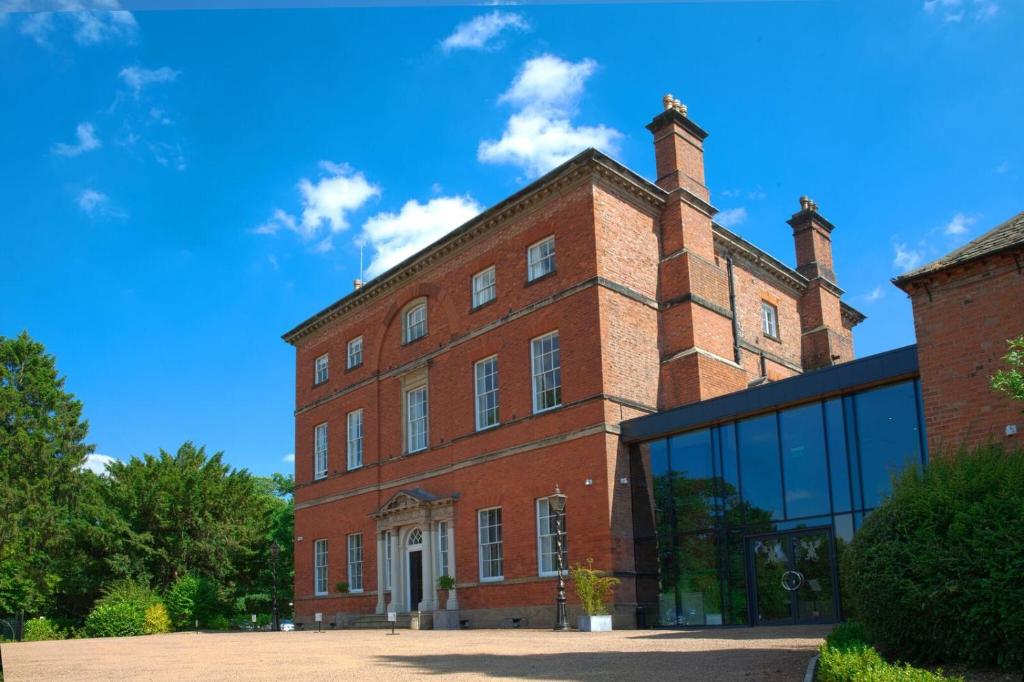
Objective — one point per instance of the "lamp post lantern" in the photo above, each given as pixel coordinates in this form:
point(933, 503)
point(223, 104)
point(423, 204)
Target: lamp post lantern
point(557, 503)
point(275, 552)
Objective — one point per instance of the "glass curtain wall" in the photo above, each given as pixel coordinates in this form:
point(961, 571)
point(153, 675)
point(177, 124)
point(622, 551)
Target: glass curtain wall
point(730, 502)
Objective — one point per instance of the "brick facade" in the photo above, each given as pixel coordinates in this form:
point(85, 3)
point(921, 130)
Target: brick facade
point(655, 306)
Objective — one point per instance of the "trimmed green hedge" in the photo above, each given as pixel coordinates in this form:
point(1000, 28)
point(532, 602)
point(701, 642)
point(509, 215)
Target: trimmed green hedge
point(937, 572)
point(846, 657)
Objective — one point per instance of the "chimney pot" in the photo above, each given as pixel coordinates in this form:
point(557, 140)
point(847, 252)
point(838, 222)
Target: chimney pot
point(357, 284)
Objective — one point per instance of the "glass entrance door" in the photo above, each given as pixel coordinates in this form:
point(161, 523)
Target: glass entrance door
point(792, 577)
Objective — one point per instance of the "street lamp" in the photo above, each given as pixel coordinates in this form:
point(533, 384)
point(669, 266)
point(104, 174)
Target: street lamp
point(275, 552)
point(557, 504)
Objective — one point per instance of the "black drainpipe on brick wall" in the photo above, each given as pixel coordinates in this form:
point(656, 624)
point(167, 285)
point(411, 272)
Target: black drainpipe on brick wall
point(732, 311)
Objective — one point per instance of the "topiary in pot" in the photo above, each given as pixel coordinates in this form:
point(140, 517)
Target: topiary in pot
point(593, 588)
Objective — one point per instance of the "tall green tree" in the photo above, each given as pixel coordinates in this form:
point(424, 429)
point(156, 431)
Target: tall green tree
point(1010, 381)
point(42, 449)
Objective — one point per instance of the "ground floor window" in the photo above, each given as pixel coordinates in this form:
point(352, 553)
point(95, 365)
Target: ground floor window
point(547, 532)
point(320, 567)
point(442, 549)
point(387, 560)
point(355, 562)
point(491, 552)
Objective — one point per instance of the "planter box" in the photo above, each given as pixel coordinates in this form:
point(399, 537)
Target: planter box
point(595, 623)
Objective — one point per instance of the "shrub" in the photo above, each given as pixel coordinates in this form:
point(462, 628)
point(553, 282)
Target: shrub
point(218, 622)
point(41, 629)
point(592, 587)
point(118, 619)
point(935, 573)
point(129, 592)
point(342, 587)
point(863, 664)
point(191, 597)
point(157, 621)
point(446, 582)
point(847, 635)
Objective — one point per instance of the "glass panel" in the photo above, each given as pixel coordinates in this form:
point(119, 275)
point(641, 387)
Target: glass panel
point(839, 467)
point(735, 579)
point(813, 561)
point(803, 461)
point(759, 466)
point(693, 480)
point(887, 432)
point(770, 558)
point(697, 584)
point(730, 483)
point(850, 421)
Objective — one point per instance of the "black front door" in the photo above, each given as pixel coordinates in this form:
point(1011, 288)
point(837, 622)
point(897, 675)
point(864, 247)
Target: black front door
point(415, 580)
point(792, 577)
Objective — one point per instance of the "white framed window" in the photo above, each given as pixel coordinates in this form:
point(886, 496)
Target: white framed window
point(416, 419)
point(355, 562)
point(442, 549)
point(320, 451)
point(355, 352)
point(540, 259)
point(547, 531)
point(320, 567)
point(492, 565)
point(484, 287)
point(320, 376)
point(547, 372)
point(486, 375)
point(416, 322)
point(355, 439)
point(769, 320)
point(387, 560)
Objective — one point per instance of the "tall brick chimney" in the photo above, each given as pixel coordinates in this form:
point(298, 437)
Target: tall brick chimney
point(824, 340)
point(695, 328)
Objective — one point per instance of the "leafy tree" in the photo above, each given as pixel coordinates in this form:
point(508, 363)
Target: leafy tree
point(42, 449)
point(1011, 380)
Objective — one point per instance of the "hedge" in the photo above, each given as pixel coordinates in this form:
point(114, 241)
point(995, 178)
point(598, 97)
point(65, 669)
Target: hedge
point(846, 657)
point(937, 571)
point(41, 629)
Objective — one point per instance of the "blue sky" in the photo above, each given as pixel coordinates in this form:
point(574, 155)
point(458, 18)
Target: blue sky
point(181, 187)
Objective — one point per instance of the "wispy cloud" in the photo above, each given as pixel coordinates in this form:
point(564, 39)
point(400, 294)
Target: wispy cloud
point(479, 33)
point(904, 257)
point(96, 204)
point(541, 134)
point(91, 22)
point(959, 225)
point(289, 458)
point(874, 295)
point(396, 236)
point(1002, 168)
point(326, 203)
point(955, 11)
point(87, 141)
point(137, 78)
point(731, 217)
point(753, 195)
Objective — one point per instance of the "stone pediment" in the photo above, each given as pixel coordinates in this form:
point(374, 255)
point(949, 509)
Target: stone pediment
point(406, 500)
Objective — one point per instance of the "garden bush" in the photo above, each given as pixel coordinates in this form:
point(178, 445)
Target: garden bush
point(936, 571)
point(41, 629)
point(846, 656)
point(117, 619)
point(156, 620)
point(592, 588)
point(191, 597)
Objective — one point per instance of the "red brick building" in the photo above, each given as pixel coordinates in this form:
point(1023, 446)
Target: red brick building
point(966, 305)
point(438, 406)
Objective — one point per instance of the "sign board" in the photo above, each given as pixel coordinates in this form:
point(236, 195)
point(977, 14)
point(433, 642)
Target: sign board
point(392, 617)
point(318, 617)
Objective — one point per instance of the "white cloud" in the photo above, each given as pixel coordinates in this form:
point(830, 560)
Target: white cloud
point(541, 135)
point(289, 458)
point(96, 204)
point(478, 32)
point(396, 236)
point(904, 257)
point(731, 217)
point(92, 22)
point(326, 203)
point(959, 224)
point(87, 141)
point(874, 295)
point(954, 11)
point(137, 78)
point(97, 463)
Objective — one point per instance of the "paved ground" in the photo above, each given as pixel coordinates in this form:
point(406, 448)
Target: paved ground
point(774, 654)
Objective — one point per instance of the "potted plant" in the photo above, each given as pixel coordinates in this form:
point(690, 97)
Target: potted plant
point(593, 588)
point(445, 585)
point(342, 587)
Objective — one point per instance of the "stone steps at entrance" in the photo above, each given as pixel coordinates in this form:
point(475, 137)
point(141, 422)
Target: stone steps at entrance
point(379, 621)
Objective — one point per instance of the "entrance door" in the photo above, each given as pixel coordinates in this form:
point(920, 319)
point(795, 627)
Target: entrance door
point(792, 577)
point(415, 579)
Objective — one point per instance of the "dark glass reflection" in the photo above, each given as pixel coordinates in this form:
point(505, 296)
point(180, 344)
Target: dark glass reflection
point(804, 465)
point(887, 433)
point(759, 463)
point(839, 467)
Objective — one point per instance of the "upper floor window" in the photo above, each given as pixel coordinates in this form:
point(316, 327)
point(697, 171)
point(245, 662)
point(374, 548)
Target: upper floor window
point(320, 451)
point(540, 259)
point(355, 562)
point(492, 565)
point(547, 532)
point(321, 369)
point(769, 320)
point(547, 372)
point(355, 439)
point(320, 567)
point(416, 322)
point(355, 352)
point(484, 287)
point(416, 419)
point(486, 373)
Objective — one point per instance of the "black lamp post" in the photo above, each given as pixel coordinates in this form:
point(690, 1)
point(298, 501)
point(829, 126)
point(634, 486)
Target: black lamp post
point(275, 552)
point(557, 503)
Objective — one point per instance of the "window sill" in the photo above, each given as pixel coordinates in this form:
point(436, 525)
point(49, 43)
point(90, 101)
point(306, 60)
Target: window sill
point(412, 341)
point(776, 339)
point(475, 308)
point(353, 368)
point(322, 383)
point(355, 468)
point(548, 409)
point(539, 278)
point(488, 581)
point(481, 429)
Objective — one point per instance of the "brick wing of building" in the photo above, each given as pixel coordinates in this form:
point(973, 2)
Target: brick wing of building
point(439, 405)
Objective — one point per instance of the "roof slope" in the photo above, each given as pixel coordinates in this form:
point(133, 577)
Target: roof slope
point(1007, 235)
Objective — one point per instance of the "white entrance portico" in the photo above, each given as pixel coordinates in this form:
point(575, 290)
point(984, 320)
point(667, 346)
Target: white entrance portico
point(410, 553)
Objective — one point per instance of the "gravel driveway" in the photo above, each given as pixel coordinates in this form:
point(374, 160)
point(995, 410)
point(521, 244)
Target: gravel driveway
point(775, 654)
